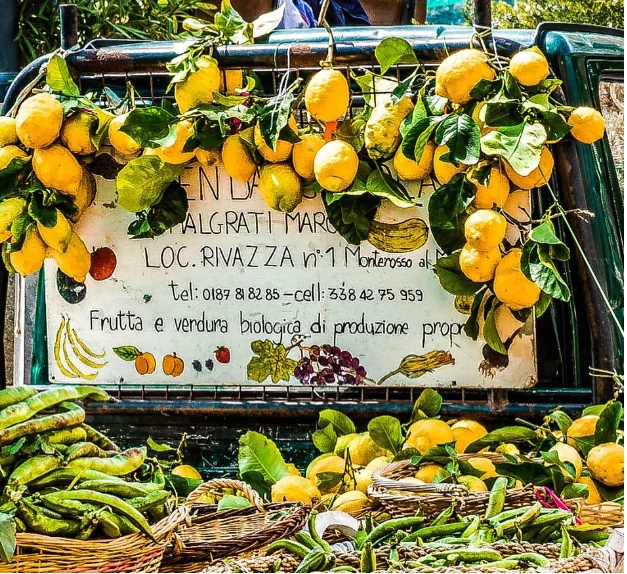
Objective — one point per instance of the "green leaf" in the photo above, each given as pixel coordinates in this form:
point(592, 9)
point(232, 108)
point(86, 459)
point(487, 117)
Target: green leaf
point(59, 79)
point(325, 439)
point(152, 445)
point(142, 182)
point(471, 327)
point(392, 51)
point(452, 279)
point(385, 431)
point(527, 472)
point(483, 88)
point(7, 537)
point(562, 420)
point(384, 185)
point(230, 24)
point(510, 88)
point(265, 23)
point(274, 116)
point(504, 434)
point(544, 233)
point(351, 215)
point(127, 353)
point(520, 145)
point(593, 410)
point(342, 425)
point(45, 215)
point(543, 304)
point(418, 135)
point(555, 125)
point(491, 333)
point(19, 228)
point(376, 89)
point(575, 490)
point(328, 480)
point(552, 457)
point(462, 136)
point(584, 443)
point(9, 176)
point(608, 423)
point(270, 361)
point(151, 127)
point(447, 210)
point(230, 501)
point(502, 113)
point(543, 273)
point(429, 402)
point(609, 493)
point(352, 132)
point(258, 453)
point(168, 212)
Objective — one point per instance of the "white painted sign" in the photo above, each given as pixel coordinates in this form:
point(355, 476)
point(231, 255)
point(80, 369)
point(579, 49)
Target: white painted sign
point(237, 274)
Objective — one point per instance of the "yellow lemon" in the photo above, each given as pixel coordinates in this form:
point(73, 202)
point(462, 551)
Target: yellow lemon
point(76, 133)
point(237, 159)
point(588, 124)
point(567, 453)
point(538, 177)
point(463, 437)
point(186, 471)
point(174, 153)
point(363, 450)
point(122, 142)
point(377, 463)
point(508, 448)
point(199, 86)
point(293, 470)
point(529, 67)
point(443, 170)
point(282, 150)
point(583, 426)
point(57, 237)
point(495, 192)
point(208, 158)
point(280, 187)
point(76, 260)
point(303, 154)
point(476, 428)
point(428, 433)
point(458, 74)
point(343, 442)
point(472, 483)
point(410, 170)
point(382, 133)
point(86, 192)
point(231, 81)
point(485, 229)
point(479, 266)
point(9, 209)
point(9, 152)
point(8, 135)
point(335, 166)
point(484, 464)
point(593, 492)
point(427, 472)
point(30, 257)
point(56, 167)
point(363, 479)
point(511, 286)
point(293, 488)
point(38, 121)
point(351, 502)
point(327, 95)
point(606, 463)
point(331, 463)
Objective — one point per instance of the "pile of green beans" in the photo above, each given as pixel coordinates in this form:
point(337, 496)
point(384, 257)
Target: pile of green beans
point(60, 477)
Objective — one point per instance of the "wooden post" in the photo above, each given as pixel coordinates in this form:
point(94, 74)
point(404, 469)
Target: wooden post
point(420, 12)
point(483, 14)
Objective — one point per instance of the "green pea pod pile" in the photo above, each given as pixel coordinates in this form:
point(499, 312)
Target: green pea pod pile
point(60, 477)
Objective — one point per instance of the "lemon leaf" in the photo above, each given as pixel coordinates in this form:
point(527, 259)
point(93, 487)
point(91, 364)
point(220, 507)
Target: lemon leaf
point(491, 333)
point(385, 431)
point(151, 127)
point(168, 212)
point(267, 22)
point(59, 79)
point(461, 135)
point(258, 453)
point(392, 51)
point(429, 402)
point(325, 439)
point(351, 215)
point(452, 279)
point(342, 425)
point(608, 423)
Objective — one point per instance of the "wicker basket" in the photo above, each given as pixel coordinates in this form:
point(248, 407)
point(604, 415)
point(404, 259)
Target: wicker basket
point(214, 534)
point(132, 553)
point(609, 514)
point(433, 498)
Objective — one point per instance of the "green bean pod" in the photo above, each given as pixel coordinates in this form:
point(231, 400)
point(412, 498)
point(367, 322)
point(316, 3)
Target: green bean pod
point(508, 514)
point(100, 439)
point(443, 517)
point(87, 530)
point(14, 395)
point(436, 531)
point(469, 555)
point(73, 416)
point(124, 524)
point(108, 524)
point(25, 410)
point(368, 559)
point(532, 557)
point(313, 561)
point(311, 525)
point(506, 564)
point(67, 475)
point(525, 519)
point(117, 488)
point(66, 436)
point(19, 524)
point(38, 522)
point(73, 508)
point(119, 465)
point(305, 539)
point(390, 526)
point(497, 498)
point(85, 449)
point(118, 505)
point(294, 547)
point(145, 503)
point(472, 527)
point(33, 468)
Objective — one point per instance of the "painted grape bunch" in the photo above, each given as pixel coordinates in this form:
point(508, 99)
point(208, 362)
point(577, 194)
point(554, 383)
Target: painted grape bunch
point(329, 365)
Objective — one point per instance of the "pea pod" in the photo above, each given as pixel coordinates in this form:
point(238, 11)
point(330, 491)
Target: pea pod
point(119, 465)
point(66, 436)
point(19, 524)
point(38, 522)
point(497, 498)
point(145, 503)
point(436, 531)
point(289, 545)
point(20, 412)
point(469, 555)
point(117, 488)
point(115, 503)
point(507, 564)
point(303, 538)
point(313, 561)
point(523, 520)
point(87, 530)
point(84, 449)
point(67, 475)
point(448, 540)
point(14, 395)
point(390, 526)
point(443, 517)
point(472, 527)
point(73, 416)
point(33, 468)
point(100, 439)
point(532, 557)
point(311, 524)
point(157, 513)
point(74, 508)
point(109, 527)
point(368, 559)
point(508, 514)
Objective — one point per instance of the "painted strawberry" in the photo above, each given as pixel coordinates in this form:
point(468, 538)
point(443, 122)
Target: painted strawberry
point(103, 263)
point(223, 355)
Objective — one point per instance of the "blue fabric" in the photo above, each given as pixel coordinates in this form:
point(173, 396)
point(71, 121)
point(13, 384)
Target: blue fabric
point(298, 14)
point(342, 12)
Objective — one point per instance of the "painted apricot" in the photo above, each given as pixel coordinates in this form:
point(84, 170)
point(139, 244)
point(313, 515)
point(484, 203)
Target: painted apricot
point(173, 365)
point(145, 364)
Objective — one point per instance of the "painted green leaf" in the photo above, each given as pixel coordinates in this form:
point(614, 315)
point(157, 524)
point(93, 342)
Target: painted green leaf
point(127, 353)
point(270, 361)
